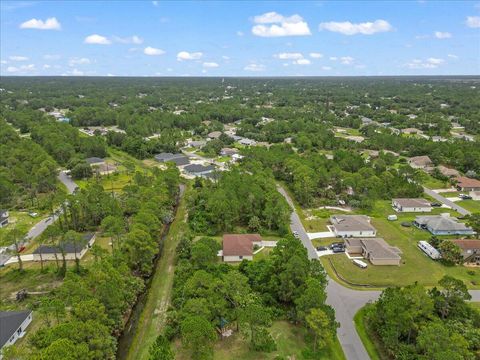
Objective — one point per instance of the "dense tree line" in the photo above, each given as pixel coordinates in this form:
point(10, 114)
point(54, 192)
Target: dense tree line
point(415, 323)
point(209, 297)
point(26, 170)
point(87, 312)
point(238, 198)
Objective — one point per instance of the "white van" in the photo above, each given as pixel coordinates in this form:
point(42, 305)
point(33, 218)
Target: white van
point(392, 217)
point(360, 263)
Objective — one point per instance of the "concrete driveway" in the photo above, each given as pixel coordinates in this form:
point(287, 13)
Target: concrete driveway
point(445, 201)
point(321, 235)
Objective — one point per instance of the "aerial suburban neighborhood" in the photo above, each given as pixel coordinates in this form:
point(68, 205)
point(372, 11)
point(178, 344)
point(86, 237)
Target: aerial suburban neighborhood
point(239, 180)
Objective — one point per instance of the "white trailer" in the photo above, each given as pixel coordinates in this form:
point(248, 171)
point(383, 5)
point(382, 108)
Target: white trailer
point(429, 250)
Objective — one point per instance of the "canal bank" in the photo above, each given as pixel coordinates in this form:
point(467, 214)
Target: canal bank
point(149, 314)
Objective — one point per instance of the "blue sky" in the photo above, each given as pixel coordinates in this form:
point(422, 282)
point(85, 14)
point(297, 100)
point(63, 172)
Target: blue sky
point(214, 38)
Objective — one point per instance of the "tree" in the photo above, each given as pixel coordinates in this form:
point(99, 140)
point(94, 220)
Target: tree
point(198, 335)
point(318, 323)
point(313, 295)
point(254, 319)
point(13, 236)
point(451, 252)
point(140, 250)
point(72, 238)
point(113, 227)
point(204, 252)
point(473, 221)
point(450, 301)
point(160, 349)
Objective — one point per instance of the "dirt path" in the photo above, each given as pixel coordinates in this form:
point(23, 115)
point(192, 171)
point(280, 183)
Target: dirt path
point(154, 314)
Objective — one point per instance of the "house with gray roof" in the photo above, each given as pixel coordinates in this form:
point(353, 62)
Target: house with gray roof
point(376, 250)
point(411, 205)
point(179, 159)
point(443, 224)
point(352, 226)
point(199, 170)
point(12, 326)
point(72, 251)
point(95, 161)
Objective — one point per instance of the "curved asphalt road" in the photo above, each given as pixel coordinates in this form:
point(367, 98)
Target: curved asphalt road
point(345, 301)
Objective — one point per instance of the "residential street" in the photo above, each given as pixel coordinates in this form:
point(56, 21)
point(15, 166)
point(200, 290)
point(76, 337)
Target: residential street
point(67, 181)
point(345, 301)
point(445, 201)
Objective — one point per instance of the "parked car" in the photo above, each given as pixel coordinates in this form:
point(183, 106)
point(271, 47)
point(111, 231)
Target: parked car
point(322, 248)
point(464, 197)
point(295, 234)
point(33, 214)
point(338, 249)
point(337, 244)
point(436, 204)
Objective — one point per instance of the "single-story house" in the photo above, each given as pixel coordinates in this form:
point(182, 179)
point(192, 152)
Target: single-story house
point(467, 184)
point(437, 138)
point(95, 161)
point(53, 252)
point(420, 162)
point(214, 134)
point(470, 250)
point(449, 172)
point(247, 142)
point(12, 326)
point(237, 247)
point(105, 168)
point(411, 205)
point(475, 195)
point(237, 157)
point(443, 224)
point(199, 170)
point(228, 151)
point(179, 159)
point(3, 218)
point(357, 139)
point(352, 226)
point(412, 131)
point(374, 249)
point(197, 143)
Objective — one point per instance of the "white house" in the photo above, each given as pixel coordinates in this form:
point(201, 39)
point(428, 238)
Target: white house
point(4, 218)
point(51, 253)
point(12, 326)
point(352, 226)
point(411, 205)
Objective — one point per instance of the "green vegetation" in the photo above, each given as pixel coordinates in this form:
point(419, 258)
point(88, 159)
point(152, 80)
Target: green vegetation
point(411, 322)
point(470, 205)
point(366, 336)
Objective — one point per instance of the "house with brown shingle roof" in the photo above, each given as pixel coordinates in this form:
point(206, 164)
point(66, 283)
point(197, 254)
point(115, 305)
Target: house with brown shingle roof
point(449, 172)
point(237, 247)
point(470, 250)
point(467, 184)
point(420, 162)
point(352, 226)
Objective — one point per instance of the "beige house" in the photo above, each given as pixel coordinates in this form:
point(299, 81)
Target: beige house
point(449, 172)
point(420, 162)
point(411, 205)
point(237, 247)
point(352, 226)
point(376, 250)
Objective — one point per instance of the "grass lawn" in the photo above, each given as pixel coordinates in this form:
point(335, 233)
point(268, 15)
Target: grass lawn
point(262, 254)
point(432, 183)
point(470, 205)
point(367, 338)
point(289, 339)
point(22, 222)
point(153, 316)
point(415, 266)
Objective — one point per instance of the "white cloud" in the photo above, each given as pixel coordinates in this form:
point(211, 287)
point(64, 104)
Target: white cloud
point(129, 40)
point(204, 71)
point(210, 64)
point(225, 57)
point(430, 63)
point(279, 25)
point(185, 55)
point(452, 56)
point(333, 58)
point(254, 67)
point(302, 62)
point(110, 75)
point(3, 62)
point(49, 24)
point(79, 61)
point(18, 58)
point(240, 33)
point(288, 56)
point(473, 21)
point(347, 60)
point(97, 39)
point(151, 51)
point(442, 35)
point(46, 66)
point(51, 57)
point(348, 28)
point(23, 68)
point(326, 68)
point(76, 72)
point(155, 3)
point(315, 55)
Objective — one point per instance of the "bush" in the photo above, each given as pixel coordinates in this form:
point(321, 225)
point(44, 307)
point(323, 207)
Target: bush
point(263, 341)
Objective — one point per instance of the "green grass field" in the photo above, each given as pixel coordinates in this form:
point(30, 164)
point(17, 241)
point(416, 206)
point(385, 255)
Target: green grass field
point(289, 339)
point(22, 222)
point(154, 313)
point(470, 205)
point(432, 183)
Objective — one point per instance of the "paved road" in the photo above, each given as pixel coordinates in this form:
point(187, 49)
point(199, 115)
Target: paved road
point(445, 201)
point(345, 301)
point(67, 181)
point(296, 225)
